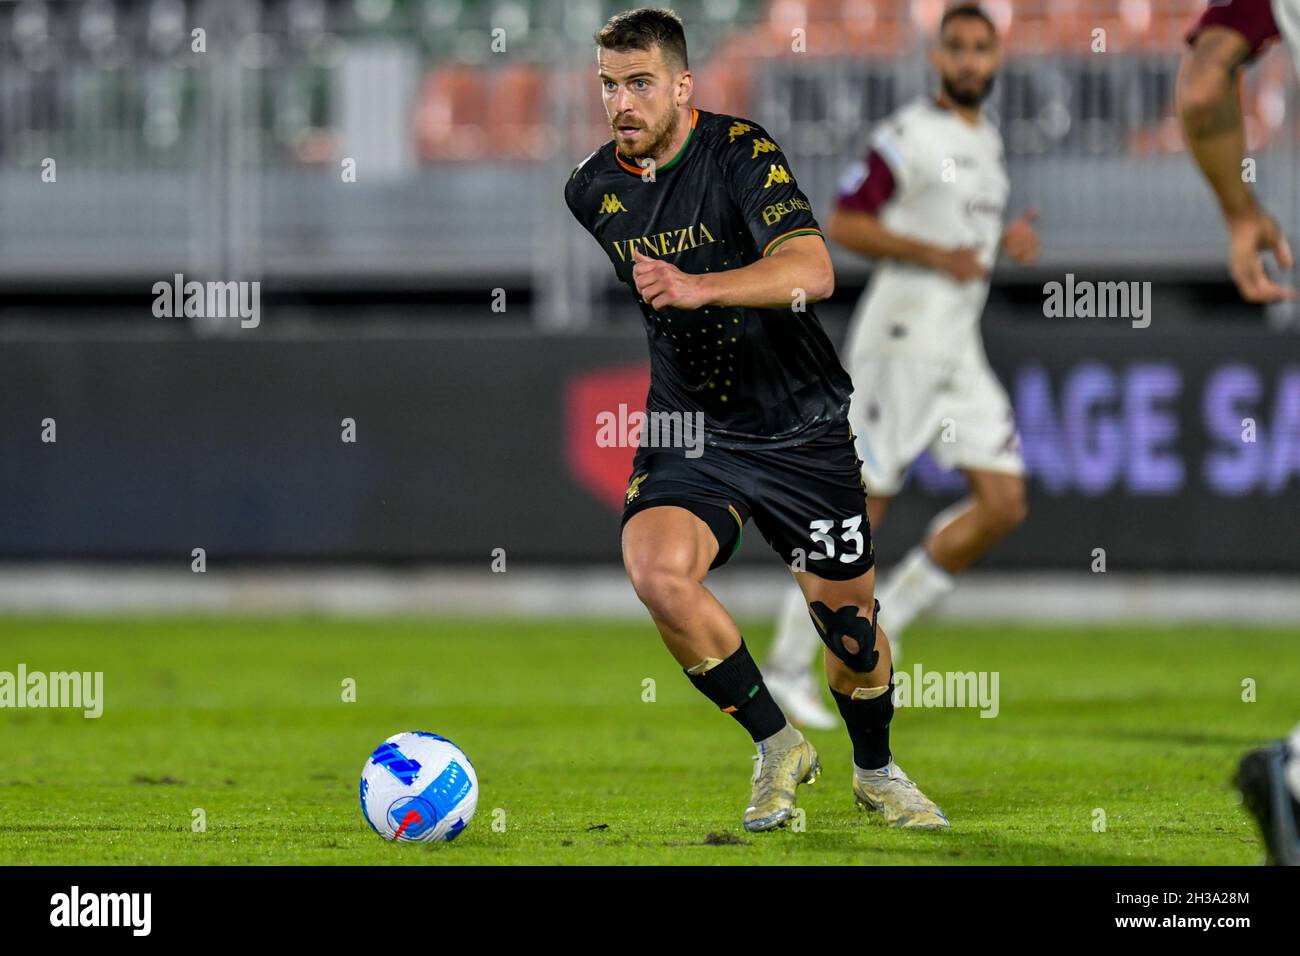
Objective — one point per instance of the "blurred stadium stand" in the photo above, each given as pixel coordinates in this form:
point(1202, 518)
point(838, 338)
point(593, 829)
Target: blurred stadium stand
point(227, 162)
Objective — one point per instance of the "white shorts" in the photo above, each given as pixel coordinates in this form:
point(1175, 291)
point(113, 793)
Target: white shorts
point(903, 406)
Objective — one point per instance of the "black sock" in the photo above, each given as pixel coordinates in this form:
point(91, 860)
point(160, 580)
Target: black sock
point(736, 686)
point(868, 725)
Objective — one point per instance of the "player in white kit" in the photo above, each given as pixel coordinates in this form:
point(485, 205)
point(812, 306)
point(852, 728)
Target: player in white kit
point(927, 204)
point(1227, 37)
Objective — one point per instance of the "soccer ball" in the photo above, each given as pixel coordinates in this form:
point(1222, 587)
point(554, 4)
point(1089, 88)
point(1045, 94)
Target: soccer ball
point(418, 787)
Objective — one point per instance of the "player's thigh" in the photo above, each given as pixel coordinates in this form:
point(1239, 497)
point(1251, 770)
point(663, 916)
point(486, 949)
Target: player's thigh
point(895, 414)
point(667, 541)
point(810, 505)
point(698, 507)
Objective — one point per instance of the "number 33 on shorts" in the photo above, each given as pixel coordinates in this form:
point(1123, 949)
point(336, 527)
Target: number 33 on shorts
point(850, 539)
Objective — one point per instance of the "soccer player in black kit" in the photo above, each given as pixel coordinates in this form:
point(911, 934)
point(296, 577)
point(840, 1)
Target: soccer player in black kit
point(702, 219)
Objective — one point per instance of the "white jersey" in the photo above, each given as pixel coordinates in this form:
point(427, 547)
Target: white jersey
point(949, 189)
point(1286, 14)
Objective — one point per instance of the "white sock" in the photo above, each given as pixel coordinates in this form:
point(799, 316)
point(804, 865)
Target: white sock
point(914, 586)
point(785, 738)
point(796, 641)
point(1292, 770)
point(865, 776)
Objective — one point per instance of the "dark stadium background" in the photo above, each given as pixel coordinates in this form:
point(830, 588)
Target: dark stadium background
point(382, 299)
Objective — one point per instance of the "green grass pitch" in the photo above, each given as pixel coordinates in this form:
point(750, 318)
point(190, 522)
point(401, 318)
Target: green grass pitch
point(244, 718)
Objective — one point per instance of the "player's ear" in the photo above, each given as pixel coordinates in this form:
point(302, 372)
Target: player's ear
point(685, 87)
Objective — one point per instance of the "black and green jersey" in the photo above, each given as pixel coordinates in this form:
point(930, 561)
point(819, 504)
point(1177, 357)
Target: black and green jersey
point(762, 377)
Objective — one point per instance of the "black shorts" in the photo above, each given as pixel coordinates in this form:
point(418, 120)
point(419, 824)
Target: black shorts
point(808, 501)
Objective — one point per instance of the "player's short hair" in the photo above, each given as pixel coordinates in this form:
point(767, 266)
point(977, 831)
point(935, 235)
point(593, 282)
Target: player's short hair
point(971, 11)
point(644, 29)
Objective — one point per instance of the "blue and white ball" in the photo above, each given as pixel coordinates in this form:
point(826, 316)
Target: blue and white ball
point(418, 787)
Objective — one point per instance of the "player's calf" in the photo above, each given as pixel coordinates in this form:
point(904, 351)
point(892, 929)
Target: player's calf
point(735, 686)
point(667, 551)
point(860, 672)
point(865, 703)
point(784, 759)
point(1003, 508)
point(867, 711)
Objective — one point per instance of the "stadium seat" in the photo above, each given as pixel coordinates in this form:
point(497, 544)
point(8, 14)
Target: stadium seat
point(1033, 27)
point(516, 117)
point(449, 113)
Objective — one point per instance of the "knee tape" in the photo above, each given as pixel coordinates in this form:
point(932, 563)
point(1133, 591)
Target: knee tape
point(834, 626)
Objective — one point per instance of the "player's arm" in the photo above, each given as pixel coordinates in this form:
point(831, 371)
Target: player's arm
point(799, 263)
point(1209, 109)
point(856, 225)
point(863, 233)
point(793, 265)
point(1210, 112)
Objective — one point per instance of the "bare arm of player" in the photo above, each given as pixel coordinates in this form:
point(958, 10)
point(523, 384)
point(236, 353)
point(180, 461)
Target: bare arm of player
point(800, 262)
point(1210, 112)
point(864, 234)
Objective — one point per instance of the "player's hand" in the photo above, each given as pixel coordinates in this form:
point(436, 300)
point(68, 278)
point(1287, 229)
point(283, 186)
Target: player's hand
point(1020, 239)
point(962, 263)
point(1249, 236)
point(662, 285)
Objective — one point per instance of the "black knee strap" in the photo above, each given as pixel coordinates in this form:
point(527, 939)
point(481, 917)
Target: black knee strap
point(834, 626)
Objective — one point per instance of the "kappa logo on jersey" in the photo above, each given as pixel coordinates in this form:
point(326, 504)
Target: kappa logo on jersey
point(737, 129)
point(611, 203)
point(634, 488)
point(776, 174)
point(763, 146)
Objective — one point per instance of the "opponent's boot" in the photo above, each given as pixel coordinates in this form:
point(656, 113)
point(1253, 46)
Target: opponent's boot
point(1261, 780)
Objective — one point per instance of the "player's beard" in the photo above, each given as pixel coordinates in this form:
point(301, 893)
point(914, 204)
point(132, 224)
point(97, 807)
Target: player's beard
point(657, 137)
point(965, 97)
